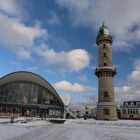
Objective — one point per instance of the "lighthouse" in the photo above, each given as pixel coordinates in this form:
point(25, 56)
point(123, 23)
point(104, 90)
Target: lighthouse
point(106, 107)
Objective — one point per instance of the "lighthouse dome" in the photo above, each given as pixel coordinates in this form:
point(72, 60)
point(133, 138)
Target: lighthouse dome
point(103, 30)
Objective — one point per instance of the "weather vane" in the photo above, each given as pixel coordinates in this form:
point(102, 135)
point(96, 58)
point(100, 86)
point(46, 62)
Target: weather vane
point(103, 23)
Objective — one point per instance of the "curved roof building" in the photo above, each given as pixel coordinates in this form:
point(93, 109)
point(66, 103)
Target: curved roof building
point(22, 92)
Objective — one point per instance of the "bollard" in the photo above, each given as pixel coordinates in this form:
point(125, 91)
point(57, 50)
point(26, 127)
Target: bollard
point(12, 119)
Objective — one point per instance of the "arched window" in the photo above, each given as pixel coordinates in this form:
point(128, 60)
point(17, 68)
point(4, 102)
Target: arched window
point(105, 64)
point(104, 55)
point(106, 111)
point(101, 32)
point(105, 94)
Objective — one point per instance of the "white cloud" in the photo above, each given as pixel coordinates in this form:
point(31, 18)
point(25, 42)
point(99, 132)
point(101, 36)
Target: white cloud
point(73, 60)
point(28, 40)
point(14, 33)
point(8, 6)
point(12, 8)
point(78, 59)
point(19, 37)
point(16, 63)
point(54, 19)
point(131, 91)
point(135, 74)
point(121, 16)
point(22, 52)
point(123, 89)
point(127, 93)
point(67, 86)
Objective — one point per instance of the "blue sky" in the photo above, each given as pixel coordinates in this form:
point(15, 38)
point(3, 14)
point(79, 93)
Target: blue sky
point(56, 39)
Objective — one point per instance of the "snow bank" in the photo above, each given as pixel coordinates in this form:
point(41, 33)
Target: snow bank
point(32, 123)
point(122, 123)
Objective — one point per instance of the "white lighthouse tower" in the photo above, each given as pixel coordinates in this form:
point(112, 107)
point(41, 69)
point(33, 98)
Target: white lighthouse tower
point(106, 107)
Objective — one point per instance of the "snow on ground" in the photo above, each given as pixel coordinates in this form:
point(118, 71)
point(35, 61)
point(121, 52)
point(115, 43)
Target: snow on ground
point(31, 123)
point(122, 123)
point(8, 131)
point(71, 130)
point(4, 120)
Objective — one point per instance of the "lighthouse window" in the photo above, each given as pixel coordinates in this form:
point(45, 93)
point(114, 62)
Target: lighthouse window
point(104, 54)
point(106, 111)
point(105, 64)
point(104, 46)
point(105, 94)
point(101, 32)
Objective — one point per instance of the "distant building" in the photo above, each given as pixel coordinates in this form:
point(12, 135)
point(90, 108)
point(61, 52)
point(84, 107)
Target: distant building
point(130, 110)
point(90, 112)
point(25, 93)
point(87, 111)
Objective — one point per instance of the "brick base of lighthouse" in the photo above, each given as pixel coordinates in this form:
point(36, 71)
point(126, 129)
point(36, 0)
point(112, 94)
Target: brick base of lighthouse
point(110, 115)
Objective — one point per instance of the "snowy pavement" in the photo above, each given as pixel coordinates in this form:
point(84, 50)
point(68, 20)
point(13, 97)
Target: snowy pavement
point(72, 130)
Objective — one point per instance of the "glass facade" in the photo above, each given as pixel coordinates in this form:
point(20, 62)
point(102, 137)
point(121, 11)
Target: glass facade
point(31, 96)
point(25, 92)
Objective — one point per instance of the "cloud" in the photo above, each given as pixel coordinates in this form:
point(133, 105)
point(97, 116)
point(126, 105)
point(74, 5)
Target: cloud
point(121, 16)
point(8, 6)
point(16, 64)
point(74, 60)
point(135, 74)
point(27, 40)
point(132, 90)
point(127, 93)
point(18, 37)
point(54, 19)
point(14, 33)
point(12, 8)
point(59, 42)
point(123, 89)
point(83, 78)
point(67, 86)
point(33, 69)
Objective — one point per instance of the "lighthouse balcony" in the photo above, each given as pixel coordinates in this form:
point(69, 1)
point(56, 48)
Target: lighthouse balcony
point(105, 71)
point(107, 68)
point(104, 38)
point(106, 103)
